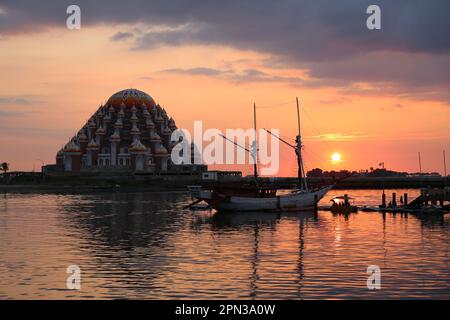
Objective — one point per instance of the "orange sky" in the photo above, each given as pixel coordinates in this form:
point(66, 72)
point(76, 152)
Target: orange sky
point(52, 81)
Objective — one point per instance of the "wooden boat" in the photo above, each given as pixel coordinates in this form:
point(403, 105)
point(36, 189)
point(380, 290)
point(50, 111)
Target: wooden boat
point(258, 197)
point(265, 201)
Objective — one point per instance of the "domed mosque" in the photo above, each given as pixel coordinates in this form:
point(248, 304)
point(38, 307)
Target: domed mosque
point(129, 133)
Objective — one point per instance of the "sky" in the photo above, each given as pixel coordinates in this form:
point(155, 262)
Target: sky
point(371, 95)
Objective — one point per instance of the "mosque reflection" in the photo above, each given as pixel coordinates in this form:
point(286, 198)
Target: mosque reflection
point(127, 220)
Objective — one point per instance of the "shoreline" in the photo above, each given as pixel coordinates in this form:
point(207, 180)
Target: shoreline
point(80, 185)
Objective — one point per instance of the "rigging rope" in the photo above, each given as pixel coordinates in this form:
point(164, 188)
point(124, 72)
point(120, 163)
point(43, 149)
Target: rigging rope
point(274, 105)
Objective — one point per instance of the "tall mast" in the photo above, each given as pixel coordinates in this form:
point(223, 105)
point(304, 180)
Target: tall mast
point(445, 164)
point(301, 170)
point(445, 168)
point(255, 145)
point(420, 164)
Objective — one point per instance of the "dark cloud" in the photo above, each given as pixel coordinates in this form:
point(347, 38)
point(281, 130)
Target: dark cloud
point(119, 36)
point(327, 37)
point(309, 29)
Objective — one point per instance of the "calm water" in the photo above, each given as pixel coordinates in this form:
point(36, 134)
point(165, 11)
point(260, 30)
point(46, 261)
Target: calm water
point(144, 245)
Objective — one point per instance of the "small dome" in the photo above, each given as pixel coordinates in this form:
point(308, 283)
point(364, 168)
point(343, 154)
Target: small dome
point(119, 123)
point(82, 137)
point(100, 130)
point(149, 123)
point(161, 150)
point(72, 147)
point(137, 146)
point(92, 144)
point(155, 137)
point(167, 131)
point(130, 98)
point(135, 130)
point(115, 136)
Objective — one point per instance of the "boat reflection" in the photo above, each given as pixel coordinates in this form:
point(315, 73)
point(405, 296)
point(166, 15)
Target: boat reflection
point(256, 222)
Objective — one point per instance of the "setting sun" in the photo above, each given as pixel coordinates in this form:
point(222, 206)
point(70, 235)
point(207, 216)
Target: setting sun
point(336, 157)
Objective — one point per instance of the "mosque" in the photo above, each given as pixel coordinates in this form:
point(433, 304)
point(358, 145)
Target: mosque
point(130, 132)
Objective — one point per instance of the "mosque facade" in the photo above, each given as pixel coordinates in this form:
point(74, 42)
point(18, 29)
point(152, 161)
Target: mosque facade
point(130, 132)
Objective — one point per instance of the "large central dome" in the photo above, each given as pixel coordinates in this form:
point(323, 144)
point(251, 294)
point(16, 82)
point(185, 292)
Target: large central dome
point(130, 98)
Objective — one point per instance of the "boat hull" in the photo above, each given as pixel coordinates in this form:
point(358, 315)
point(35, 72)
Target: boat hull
point(295, 201)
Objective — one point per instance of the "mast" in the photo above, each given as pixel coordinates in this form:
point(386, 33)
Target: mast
point(301, 170)
point(254, 152)
point(420, 164)
point(445, 164)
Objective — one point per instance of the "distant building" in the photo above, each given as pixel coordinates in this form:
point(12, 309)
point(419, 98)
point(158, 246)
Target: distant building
point(129, 133)
point(221, 175)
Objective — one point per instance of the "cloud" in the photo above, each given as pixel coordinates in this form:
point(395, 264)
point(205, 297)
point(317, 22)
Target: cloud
point(336, 100)
point(19, 100)
point(201, 71)
point(120, 36)
point(314, 30)
point(341, 136)
point(8, 114)
point(410, 54)
point(232, 75)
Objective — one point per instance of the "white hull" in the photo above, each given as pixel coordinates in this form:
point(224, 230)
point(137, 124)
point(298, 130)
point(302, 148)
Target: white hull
point(289, 202)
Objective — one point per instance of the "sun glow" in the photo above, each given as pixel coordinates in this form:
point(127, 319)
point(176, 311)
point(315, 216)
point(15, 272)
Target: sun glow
point(336, 157)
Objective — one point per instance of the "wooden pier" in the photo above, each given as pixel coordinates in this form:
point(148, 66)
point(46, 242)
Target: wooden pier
point(430, 200)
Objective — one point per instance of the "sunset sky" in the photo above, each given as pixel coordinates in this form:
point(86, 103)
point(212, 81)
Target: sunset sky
point(371, 95)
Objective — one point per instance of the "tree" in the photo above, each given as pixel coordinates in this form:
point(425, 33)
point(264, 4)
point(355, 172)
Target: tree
point(4, 167)
point(317, 172)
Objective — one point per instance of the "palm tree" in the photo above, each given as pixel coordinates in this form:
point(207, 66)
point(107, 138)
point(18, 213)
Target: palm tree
point(4, 167)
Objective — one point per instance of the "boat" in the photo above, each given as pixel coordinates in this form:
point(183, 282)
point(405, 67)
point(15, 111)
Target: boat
point(256, 196)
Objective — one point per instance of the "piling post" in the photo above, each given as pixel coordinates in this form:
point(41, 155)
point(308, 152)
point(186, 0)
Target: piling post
point(405, 199)
point(394, 201)
point(316, 200)
point(346, 199)
point(383, 200)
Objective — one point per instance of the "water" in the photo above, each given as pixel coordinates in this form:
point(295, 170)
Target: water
point(144, 245)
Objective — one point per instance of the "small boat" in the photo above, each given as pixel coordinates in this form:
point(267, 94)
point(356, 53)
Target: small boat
point(256, 196)
point(342, 205)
